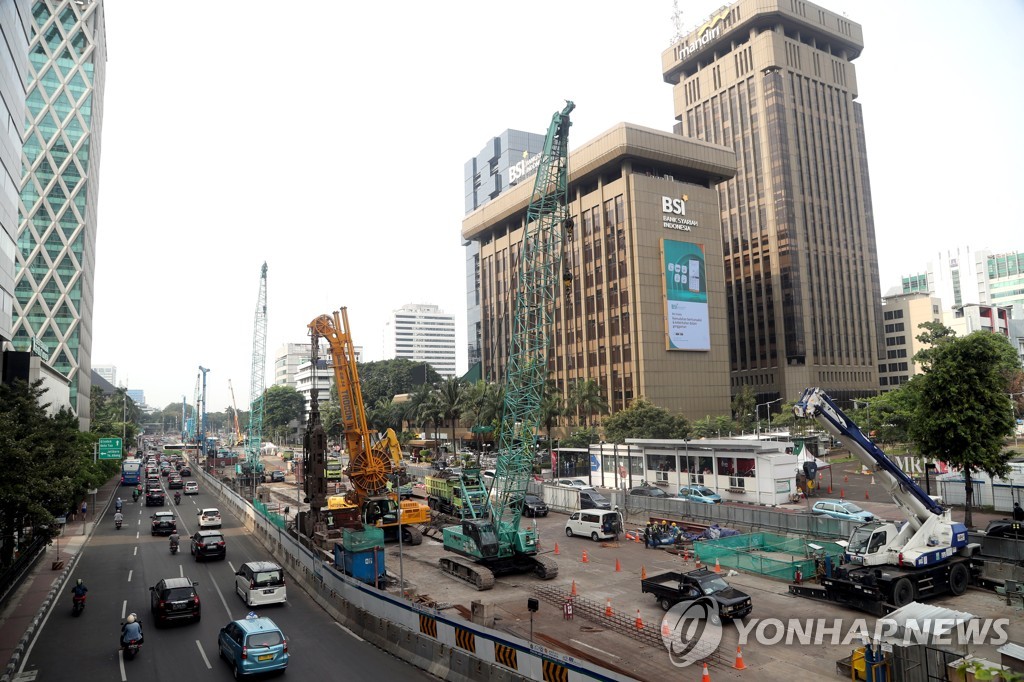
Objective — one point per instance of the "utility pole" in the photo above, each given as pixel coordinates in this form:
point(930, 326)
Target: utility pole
point(202, 426)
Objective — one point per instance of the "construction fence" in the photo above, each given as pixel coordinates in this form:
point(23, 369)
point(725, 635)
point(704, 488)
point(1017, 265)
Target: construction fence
point(768, 554)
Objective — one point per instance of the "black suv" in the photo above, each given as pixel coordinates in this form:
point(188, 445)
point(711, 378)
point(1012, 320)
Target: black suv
point(174, 599)
point(155, 497)
point(534, 506)
point(164, 523)
point(208, 544)
point(648, 491)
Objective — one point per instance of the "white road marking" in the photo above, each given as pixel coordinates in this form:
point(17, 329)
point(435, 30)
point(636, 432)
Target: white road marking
point(120, 660)
point(135, 552)
point(181, 570)
point(136, 535)
point(219, 593)
point(600, 651)
point(124, 607)
point(354, 634)
point(130, 576)
point(139, 522)
point(232, 567)
point(203, 654)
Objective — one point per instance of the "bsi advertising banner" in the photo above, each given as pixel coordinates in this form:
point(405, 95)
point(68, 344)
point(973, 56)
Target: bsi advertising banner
point(686, 296)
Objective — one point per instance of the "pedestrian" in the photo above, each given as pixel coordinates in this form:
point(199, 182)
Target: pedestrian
point(1018, 513)
point(85, 509)
point(647, 536)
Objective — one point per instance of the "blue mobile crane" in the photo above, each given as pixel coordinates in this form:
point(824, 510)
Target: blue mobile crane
point(886, 565)
point(495, 544)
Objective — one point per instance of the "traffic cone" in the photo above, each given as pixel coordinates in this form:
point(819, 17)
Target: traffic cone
point(718, 569)
point(636, 536)
point(666, 631)
point(639, 622)
point(705, 677)
point(608, 608)
point(842, 493)
point(740, 665)
point(585, 559)
point(618, 566)
point(643, 573)
point(872, 480)
point(556, 549)
point(830, 490)
point(573, 593)
point(820, 475)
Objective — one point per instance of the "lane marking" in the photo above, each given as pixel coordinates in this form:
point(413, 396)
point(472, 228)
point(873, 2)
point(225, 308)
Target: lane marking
point(354, 634)
point(594, 648)
point(120, 660)
point(181, 570)
point(124, 607)
point(136, 535)
point(130, 576)
point(232, 567)
point(219, 593)
point(203, 654)
point(135, 552)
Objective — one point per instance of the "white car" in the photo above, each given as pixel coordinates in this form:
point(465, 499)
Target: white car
point(191, 488)
point(261, 582)
point(209, 518)
point(577, 483)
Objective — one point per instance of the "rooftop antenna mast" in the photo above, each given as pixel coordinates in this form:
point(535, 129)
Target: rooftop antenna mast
point(677, 23)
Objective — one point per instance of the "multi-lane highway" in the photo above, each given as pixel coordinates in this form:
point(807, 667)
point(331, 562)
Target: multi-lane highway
point(119, 567)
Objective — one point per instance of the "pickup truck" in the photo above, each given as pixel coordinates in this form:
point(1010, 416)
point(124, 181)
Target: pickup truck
point(673, 587)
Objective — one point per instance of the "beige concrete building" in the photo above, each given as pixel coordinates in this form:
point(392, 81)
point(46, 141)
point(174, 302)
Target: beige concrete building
point(774, 80)
point(647, 316)
point(901, 315)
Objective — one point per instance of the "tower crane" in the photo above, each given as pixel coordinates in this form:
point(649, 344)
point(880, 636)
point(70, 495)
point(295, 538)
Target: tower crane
point(234, 408)
point(496, 544)
point(253, 466)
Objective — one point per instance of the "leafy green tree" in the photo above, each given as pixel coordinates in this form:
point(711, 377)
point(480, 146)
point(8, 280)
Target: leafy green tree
point(585, 400)
point(743, 405)
point(934, 335)
point(891, 414)
point(388, 378)
point(580, 438)
point(643, 419)
point(452, 396)
point(383, 415)
point(963, 411)
point(282, 405)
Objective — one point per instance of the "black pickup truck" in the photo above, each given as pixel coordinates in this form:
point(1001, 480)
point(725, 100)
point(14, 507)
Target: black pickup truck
point(673, 587)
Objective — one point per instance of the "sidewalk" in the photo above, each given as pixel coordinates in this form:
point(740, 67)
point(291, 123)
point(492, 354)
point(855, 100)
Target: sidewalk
point(25, 609)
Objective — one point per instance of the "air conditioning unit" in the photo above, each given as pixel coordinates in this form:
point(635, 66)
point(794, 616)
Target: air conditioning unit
point(661, 476)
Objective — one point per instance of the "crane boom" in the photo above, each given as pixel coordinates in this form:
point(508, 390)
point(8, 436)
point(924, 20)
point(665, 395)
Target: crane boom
point(234, 408)
point(257, 379)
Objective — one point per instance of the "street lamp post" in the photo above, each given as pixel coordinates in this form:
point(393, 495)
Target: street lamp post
point(124, 419)
point(757, 415)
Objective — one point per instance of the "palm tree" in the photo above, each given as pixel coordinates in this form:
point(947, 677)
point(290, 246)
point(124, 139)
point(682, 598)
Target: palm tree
point(452, 395)
point(410, 410)
point(551, 407)
point(586, 400)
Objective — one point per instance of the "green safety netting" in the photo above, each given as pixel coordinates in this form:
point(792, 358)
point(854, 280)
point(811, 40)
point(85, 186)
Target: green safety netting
point(768, 554)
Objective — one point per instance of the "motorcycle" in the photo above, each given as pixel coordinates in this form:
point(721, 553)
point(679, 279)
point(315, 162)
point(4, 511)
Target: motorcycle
point(177, 498)
point(174, 547)
point(117, 524)
point(131, 648)
point(135, 496)
point(77, 604)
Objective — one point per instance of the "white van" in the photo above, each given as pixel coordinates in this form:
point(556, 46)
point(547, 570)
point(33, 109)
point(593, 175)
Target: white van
point(594, 523)
point(260, 582)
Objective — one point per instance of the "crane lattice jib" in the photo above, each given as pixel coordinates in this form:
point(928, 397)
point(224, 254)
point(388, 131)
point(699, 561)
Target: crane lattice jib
point(540, 262)
point(369, 467)
point(258, 375)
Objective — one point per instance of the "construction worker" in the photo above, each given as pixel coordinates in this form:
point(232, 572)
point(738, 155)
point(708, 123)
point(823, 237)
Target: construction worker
point(647, 536)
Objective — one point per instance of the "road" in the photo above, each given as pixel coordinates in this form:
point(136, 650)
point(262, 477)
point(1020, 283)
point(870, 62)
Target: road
point(119, 567)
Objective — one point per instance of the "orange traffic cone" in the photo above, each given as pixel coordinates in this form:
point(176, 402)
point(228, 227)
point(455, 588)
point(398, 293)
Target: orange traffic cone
point(573, 593)
point(585, 558)
point(618, 566)
point(830, 490)
point(643, 573)
point(718, 569)
point(866, 496)
point(819, 475)
point(705, 677)
point(740, 665)
point(608, 608)
point(666, 631)
point(639, 623)
point(842, 493)
point(636, 536)
point(556, 549)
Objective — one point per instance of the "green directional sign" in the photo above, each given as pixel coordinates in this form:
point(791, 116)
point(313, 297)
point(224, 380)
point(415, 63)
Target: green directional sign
point(110, 448)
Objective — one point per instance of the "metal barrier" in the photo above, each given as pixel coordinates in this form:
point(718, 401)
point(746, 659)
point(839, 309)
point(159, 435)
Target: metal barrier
point(16, 572)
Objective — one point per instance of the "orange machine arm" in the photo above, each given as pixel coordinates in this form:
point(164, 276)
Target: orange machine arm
point(370, 466)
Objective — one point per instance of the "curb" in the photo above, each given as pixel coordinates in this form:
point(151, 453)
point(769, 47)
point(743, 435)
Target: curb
point(19, 651)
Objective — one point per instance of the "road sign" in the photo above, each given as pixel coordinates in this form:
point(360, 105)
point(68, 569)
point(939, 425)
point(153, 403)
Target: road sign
point(110, 448)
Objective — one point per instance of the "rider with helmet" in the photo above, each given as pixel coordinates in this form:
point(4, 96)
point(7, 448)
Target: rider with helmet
point(79, 589)
point(131, 630)
point(118, 504)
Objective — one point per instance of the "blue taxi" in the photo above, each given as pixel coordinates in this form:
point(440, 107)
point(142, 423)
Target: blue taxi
point(253, 645)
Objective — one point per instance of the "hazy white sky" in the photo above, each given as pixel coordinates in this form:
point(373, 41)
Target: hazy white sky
point(328, 139)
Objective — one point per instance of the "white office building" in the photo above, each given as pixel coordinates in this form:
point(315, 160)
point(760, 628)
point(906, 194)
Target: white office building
point(287, 360)
point(422, 333)
point(108, 372)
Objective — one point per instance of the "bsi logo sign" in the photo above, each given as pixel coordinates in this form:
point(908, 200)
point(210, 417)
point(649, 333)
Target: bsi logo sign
point(674, 206)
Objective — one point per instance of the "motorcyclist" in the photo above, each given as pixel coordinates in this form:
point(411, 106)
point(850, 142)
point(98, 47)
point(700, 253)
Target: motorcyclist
point(118, 518)
point(79, 589)
point(135, 495)
point(177, 497)
point(175, 539)
point(118, 504)
point(131, 630)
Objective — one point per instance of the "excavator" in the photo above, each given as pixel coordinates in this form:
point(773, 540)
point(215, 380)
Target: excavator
point(375, 469)
point(495, 544)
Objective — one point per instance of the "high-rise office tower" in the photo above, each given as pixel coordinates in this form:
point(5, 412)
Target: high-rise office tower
point(61, 153)
point(13, 75)
point(774, 80)
point(422, 333)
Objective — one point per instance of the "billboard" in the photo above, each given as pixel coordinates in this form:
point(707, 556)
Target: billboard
point(686, 296)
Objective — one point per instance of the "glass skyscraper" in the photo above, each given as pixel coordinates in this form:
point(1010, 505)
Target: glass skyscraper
point(56, 239)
